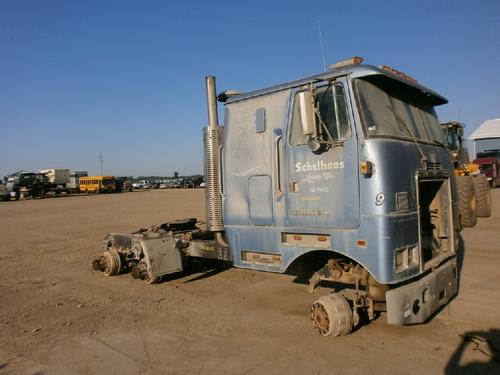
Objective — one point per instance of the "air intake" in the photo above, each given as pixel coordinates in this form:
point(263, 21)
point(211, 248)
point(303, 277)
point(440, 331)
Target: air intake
point(430, 166)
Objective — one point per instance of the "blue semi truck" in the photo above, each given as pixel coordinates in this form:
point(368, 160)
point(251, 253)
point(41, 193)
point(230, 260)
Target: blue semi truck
point(346, 170)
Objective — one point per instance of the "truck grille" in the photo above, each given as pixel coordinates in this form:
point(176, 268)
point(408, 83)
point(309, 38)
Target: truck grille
point(431, 166)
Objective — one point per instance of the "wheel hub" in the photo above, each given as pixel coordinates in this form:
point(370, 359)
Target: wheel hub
point(319, 318)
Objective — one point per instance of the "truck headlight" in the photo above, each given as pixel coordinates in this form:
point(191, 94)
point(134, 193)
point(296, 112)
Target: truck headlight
point(406, 258)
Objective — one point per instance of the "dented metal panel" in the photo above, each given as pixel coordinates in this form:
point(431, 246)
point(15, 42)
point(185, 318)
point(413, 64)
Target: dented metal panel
point(417, 301)
point(161, 255)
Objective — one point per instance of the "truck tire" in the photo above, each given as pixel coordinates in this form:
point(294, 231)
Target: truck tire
point(483, 196)
point(466, 201)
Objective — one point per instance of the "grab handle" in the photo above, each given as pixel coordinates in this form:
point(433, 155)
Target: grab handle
point(277, 162)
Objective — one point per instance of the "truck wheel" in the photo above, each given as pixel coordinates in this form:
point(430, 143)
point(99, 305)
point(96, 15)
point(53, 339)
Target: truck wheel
point(483, 196)
point(466, 201)
point(140, 271)
point(111, 263)
point(331, 315)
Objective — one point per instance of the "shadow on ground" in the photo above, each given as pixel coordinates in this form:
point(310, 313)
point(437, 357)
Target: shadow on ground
point(487, 344)
point(207, 268)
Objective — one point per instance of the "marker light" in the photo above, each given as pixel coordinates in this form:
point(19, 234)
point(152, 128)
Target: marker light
point(366, 168)
point(356, 60)
point(398, 73)
point(361, 243)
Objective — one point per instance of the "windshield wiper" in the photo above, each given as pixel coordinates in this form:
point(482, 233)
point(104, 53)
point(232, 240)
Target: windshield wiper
point(409, 131)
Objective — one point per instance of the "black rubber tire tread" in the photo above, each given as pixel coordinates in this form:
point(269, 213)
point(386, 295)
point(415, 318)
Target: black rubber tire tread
point(465, 190)
point(483, 196)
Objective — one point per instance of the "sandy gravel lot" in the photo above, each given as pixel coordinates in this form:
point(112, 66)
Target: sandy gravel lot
point(58, 316)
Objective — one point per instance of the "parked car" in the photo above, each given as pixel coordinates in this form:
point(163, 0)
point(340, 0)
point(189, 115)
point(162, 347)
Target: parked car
point(176, 184)
point(143, 184)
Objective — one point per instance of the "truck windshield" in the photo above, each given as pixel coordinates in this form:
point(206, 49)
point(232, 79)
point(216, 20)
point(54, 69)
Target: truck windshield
point(453, 142)
point(486, 167)
point(392, 109)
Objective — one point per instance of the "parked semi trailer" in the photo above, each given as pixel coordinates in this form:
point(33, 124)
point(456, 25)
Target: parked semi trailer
point(348, 167)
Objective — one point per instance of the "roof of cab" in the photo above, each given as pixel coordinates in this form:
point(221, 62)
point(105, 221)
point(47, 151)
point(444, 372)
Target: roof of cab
point(355, 71)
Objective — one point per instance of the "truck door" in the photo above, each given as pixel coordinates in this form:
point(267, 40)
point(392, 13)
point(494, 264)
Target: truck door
point(322, 188)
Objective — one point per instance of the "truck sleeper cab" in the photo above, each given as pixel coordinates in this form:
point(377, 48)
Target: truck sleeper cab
point(347, 169)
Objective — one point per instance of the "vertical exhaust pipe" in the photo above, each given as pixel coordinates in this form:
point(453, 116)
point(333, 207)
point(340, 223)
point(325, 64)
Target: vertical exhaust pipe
point(212, 140)
point(213, 118)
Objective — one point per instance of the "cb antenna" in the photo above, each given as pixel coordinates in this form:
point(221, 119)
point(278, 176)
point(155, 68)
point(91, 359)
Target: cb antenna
point(321, 44)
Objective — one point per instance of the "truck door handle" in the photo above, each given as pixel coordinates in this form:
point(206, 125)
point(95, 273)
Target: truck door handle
point(221, 168)
point(277, 169)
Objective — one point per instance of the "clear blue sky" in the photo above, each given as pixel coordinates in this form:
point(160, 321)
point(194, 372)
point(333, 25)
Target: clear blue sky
point(127, 77)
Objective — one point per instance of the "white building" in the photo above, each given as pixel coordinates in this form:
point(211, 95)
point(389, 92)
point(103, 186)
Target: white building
point(485, 137)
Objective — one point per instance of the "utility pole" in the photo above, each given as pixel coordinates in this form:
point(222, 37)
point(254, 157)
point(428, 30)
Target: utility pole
point(101, 160)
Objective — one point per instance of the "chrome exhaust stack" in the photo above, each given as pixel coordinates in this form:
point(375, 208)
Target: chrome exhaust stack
point(212, 140)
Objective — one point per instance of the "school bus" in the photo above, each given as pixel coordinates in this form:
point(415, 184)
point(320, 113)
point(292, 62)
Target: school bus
point(98, 184)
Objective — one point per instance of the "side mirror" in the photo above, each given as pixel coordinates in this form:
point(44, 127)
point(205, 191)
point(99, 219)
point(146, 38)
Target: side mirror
point(308, 118)
point(460, 131)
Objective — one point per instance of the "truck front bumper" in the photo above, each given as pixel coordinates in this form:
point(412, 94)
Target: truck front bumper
point(415, 302)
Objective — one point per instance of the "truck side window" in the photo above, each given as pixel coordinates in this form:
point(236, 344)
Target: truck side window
point(343, 118)
point(331, 103)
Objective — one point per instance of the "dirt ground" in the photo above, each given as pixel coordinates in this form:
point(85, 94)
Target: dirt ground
point(58, 316)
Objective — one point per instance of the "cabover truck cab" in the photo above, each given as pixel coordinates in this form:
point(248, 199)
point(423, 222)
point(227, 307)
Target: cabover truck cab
point(347, 168)
point(489, 164)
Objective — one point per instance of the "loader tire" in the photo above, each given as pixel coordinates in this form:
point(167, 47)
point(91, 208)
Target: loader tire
point(483, 196)
point(466, 201)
